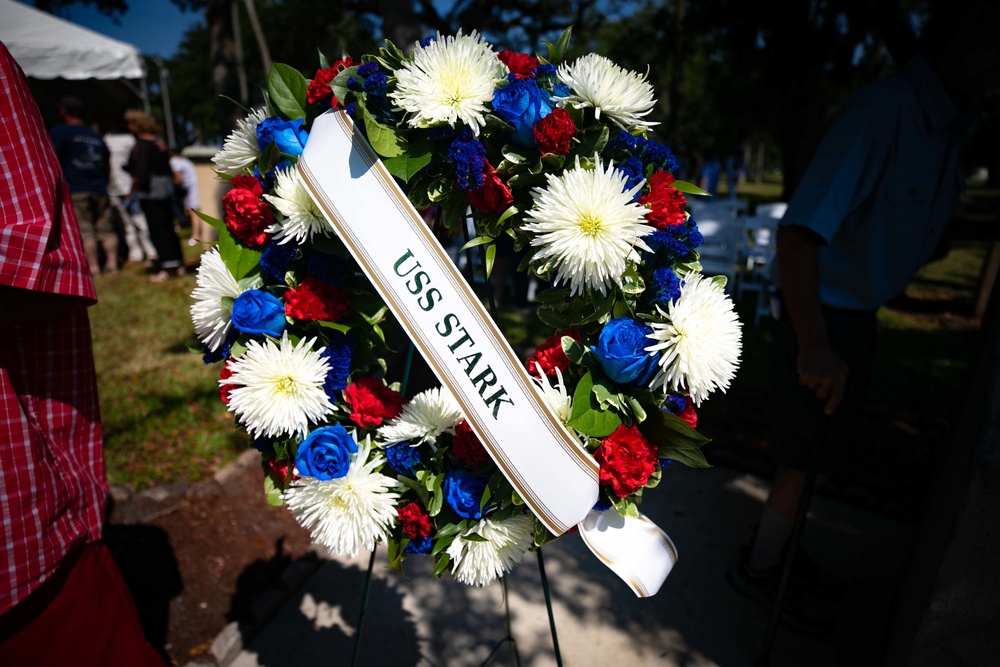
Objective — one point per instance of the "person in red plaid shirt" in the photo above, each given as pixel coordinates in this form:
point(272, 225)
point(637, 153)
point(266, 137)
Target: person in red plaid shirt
point(62, 597)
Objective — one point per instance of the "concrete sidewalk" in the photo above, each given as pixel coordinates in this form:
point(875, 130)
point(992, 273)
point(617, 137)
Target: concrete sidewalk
point(696, 619)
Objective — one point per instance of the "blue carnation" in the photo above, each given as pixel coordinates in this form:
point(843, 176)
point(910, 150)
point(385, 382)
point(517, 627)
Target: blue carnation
point(545, 69)
point(469, 157)
point(328, 268)
point(339, 352)
point(521, 104)
point(666, 285)
point(624, 141)
point(258, 312)
point(376, 84)
point(326, 453)
point(276, 259)
point(350, 108)
point(210, 357)
point(675, 242)
point(354, 85)
point(674, 404)
point(427, 41)
point(560, 89)
point(442, 132)
point(368, 69)
point(621, 351)
point(287, 134)
point(658, 155)
point(632, 168)
point(463, 491)
point(403, 458)
point(421, 545)
point(602, 504)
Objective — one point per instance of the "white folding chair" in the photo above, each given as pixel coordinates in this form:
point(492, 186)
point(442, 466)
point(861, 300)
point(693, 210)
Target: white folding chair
point(722, 229)
point(757, 253)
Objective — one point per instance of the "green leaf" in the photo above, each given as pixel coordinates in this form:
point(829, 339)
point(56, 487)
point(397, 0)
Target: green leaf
point(323, 62)
point(479, 240)
point(552, 295)
point(491, 255)
point(339, 83)
point(454, 213)
point(585, 417)
point(632, 282)
point(384, 140)
point(342, 328)
point(511, 210)
point(690, 188)
point(377, 317)
point(287, 88)
point(516, 154)
point(414, 486)
point(273, 492)
point(406, 166)
point(593, 142)
point(441, 566)
point(719, 281)
point(239, 259)
point(558, 50)
point(215, 222)
point(475, 537)
point(625, 507)
point(437, 496)
point(637, 409)
point(693, 458)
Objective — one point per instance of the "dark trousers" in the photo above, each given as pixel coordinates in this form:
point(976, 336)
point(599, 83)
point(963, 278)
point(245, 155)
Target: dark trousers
point(160, 219)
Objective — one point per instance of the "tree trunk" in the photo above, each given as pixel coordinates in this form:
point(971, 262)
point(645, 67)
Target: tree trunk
point(224, 59)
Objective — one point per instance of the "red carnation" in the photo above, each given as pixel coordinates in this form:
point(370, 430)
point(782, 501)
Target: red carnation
point(414, 521)
point(279, 468)
point(627, 460)
point(225, 374)
point(247, 215)
point(552, 133)
point(688, 414)
point(493, 196)
point(666, 202)
point(521, 64)
point(319, 87)
point(371, 401)
point(315, 300)
point(467, 448)
point(550, 355)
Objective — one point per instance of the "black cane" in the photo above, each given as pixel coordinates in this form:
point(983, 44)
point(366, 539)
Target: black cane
point(793, 542)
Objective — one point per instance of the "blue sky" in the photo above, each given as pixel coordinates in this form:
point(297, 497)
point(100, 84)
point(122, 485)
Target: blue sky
point(155, 27)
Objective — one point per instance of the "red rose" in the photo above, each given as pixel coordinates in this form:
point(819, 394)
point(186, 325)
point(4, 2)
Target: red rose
point(688, 414)
point(493, 196)
point(371, 401)
point(552, 133)
point(315, 300)
point(627, 460)
point(414, 521)
point(467, 448)
point(225, 374)
point(550, 355)
point(319, 87)
point(279, 468)
point(666, 202)
point(521, 64)
point(247, 215)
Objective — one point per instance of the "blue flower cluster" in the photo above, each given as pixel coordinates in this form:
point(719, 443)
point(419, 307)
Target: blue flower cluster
point(632, 168)
point(649, 151)
point(421, 545)
point(675, 242)
point(328, 268)
point(210, 357)
point(666, 285)
point(275, 260)
point(403, 458)
point(674, 404)
point(469, 156)
point(339, 352)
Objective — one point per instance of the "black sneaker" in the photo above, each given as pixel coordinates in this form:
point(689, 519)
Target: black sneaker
point(801, 612)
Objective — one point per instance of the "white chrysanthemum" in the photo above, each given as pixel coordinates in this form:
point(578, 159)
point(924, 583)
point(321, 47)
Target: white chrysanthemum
point(586, 222)
point(211, 318)
point(556, 396)
point(240, 150)
point(478, 563)
point(278, 388)
point(426, 416)
point(350, 512)
point(620, 94)
point(299, 218)
point(700, 341)
point(451, 80)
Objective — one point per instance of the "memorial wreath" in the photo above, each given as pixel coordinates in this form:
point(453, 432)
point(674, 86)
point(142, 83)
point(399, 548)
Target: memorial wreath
point(552, 156)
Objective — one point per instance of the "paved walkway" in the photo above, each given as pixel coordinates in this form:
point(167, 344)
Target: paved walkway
point(696, 619)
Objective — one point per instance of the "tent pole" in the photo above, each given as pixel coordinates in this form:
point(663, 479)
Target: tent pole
point(168, 118)
point(144, 94)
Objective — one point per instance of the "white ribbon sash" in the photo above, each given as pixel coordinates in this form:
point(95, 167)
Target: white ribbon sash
point(549, 468)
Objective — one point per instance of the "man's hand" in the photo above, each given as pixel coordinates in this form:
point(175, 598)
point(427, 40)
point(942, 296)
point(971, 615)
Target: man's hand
point(823, 371)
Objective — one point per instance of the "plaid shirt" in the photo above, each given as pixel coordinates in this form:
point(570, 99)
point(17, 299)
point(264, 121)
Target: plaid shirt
point(52, 480)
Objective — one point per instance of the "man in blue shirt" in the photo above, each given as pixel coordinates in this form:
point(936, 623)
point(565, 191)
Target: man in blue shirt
point(86, 162)
point(868, 213)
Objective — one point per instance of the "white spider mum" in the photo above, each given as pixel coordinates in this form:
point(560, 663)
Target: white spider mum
point(586, 223)
point(620, 94)
point(278, 388)
point(350, 512)
point(426, 416)
point(211, 318)
point(478, 563)
point(298, 219)
point(240, 150)
point(700, 340)
point(556, 396)
point(451, 80)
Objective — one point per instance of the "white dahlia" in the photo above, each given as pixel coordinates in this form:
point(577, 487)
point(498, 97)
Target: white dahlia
point(478, 563)
point(298, 216)
point(699, 340)
point(451, 80)
point(586, 222)
point(240, 150)
point(620, 94)
point(426, 416)
point(278, 388)
point(211, 317)
point(350, 512)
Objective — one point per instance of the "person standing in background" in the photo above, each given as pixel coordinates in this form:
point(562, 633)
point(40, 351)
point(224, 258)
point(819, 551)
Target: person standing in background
point(126, 208)
point(735, 170)
point(153, 183)
point(85, 161)
point(64, 600)
point(708, 179)
point(188, 197)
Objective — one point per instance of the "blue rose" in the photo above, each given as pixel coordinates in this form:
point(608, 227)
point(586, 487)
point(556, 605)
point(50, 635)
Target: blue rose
point(464, 491)
point(258, 312)
point(521, 104)
point(287, 134)
point(621, 351)
point(326, 453)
